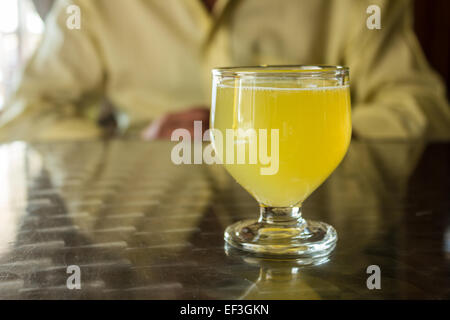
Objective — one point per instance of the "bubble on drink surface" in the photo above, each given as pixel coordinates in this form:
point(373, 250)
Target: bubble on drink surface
point(287, 85)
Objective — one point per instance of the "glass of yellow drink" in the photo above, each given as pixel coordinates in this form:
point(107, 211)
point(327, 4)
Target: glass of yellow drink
point(280, 131)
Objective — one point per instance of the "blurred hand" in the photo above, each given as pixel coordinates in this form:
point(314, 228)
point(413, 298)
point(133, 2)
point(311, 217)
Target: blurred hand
point(163, 127)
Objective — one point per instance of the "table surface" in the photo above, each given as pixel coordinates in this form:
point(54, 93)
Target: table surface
point(139, 227)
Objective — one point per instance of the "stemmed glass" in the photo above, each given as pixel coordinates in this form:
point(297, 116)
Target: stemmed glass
point(280, 131)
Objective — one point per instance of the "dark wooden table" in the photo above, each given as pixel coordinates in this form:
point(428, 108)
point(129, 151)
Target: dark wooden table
point(139, 227)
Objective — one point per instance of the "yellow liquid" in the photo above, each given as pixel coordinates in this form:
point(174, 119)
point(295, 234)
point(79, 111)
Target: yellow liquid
point(314, 133)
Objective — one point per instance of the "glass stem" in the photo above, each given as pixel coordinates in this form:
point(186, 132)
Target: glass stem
point(283, 217)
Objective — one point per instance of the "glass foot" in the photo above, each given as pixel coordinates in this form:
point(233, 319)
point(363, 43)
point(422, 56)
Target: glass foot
point(304, 239)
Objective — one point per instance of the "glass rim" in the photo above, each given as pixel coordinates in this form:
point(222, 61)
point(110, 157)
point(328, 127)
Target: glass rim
point(283, 71)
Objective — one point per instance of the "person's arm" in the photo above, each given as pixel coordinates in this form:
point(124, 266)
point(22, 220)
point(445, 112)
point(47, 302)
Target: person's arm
point(58, 83)
point(396, 94)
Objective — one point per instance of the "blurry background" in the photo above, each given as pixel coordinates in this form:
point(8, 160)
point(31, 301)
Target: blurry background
point(20, 30)
point(432, 25)
point(21, 26)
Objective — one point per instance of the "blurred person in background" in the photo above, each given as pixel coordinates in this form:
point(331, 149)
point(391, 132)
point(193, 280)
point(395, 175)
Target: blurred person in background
point(143, 66)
